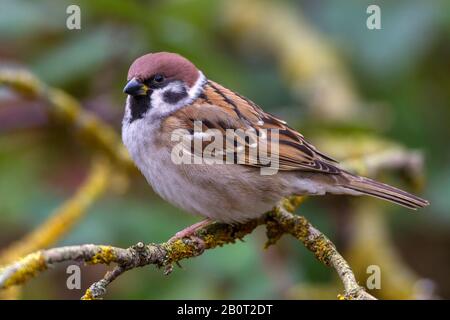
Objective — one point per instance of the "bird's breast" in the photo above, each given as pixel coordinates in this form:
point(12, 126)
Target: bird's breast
point(228, 193)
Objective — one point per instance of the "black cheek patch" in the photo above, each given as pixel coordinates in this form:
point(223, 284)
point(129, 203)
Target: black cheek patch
point(173, 97)
point(138, 106)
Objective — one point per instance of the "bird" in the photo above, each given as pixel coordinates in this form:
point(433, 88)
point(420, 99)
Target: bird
point(170, 99)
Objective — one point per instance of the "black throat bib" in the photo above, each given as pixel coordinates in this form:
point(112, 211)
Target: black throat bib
point(138, 106)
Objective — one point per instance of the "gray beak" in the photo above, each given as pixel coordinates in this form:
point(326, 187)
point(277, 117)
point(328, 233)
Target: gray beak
point(135, 88)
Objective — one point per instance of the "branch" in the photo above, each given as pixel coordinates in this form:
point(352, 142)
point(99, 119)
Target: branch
point(67, 109)
point(323, 249)
point(278, 222)
point(64, 217)
point(62, 220)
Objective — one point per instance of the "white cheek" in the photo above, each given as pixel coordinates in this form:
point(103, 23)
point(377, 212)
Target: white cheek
point(160, 108)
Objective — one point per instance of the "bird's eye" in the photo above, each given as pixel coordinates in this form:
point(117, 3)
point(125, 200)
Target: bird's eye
point(158, 78)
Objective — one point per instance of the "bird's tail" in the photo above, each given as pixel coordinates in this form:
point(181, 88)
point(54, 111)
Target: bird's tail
point(384, 191)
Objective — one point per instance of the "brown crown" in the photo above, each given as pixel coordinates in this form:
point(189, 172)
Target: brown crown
point(171, 65)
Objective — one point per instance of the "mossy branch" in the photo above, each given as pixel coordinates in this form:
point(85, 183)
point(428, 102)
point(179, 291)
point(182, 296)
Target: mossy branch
point(64, 217)
point(278, 222)
point(66, 109)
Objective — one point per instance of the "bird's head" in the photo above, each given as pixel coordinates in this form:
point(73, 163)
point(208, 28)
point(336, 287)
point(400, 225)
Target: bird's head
point(159, 84)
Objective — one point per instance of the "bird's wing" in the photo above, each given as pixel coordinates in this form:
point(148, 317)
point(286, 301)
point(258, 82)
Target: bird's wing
point(220, 109)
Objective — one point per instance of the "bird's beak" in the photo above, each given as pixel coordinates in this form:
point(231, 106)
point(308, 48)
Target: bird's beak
point(135, 88)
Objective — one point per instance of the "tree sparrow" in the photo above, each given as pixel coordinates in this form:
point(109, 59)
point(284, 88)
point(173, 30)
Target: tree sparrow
point(170, 100)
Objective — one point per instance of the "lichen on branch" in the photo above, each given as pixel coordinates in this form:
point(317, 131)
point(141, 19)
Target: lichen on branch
point(279, 221)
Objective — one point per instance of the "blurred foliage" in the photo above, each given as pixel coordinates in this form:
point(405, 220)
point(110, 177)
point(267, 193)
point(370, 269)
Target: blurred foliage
point(401, 71)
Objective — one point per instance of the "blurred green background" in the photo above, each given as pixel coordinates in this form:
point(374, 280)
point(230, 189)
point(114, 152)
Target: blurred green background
point(401, 71)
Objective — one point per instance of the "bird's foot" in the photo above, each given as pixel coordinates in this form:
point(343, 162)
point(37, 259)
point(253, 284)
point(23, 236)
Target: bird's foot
point(190, 231)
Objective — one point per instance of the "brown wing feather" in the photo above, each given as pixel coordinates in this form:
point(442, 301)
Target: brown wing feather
point(220, 108)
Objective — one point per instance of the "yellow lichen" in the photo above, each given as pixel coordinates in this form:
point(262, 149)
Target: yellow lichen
point(300, 230)
point(210, 241)
point(292, 203)
point(179, 250)
point(322, 249)
point(28, 268)
point(106, 255)
point(274, 231)
point(88, 295)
